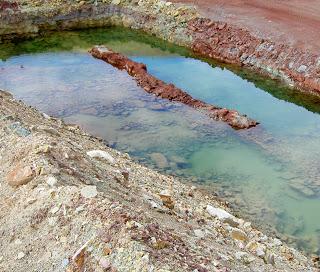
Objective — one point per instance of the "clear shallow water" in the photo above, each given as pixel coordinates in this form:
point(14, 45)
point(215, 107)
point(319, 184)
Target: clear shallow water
point(270, 174)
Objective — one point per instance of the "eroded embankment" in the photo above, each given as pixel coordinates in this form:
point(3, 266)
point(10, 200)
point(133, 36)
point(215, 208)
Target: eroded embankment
point(69, 203)
point(176, 23)
point(168, 91)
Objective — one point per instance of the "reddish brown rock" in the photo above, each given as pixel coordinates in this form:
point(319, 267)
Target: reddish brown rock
point(21, 174)
point(168, 91)
point(235, 45)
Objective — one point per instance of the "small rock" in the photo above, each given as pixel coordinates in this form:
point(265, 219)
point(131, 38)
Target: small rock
point(100, 154)
point(20, 175)
point(252, 246)
point(217, 212)
point(54, 210)
point(79, 209)
point(167, 199)
point(302, 69)
point(52, 221)
point(238, 234)
point(31, 200)
point(21, 255)
point(46, 116)
point(105, 263)
point(65, 263)
point(18, 242)
point(260, 251)
point(125, 174)
point(89, 191)
point(269, 258)
point(51, 181)
point(199, 233)
point(277, 242)
point(223, 215)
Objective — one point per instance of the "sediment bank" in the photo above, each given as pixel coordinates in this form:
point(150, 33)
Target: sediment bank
point(68, 202)
point(176, 23)
point(168, 91)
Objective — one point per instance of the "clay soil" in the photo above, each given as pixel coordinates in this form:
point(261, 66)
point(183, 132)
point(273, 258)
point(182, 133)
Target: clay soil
point(291, 22)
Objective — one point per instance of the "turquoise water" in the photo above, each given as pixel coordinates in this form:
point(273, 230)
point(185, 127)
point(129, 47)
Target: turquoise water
point(270, 174)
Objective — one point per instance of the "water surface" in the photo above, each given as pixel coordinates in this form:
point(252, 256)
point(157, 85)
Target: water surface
point(270, 174)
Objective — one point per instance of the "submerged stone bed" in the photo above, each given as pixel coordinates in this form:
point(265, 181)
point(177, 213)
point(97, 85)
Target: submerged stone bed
point(69, 203)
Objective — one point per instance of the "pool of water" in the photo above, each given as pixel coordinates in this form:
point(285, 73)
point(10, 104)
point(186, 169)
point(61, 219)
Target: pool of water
point(270, 174)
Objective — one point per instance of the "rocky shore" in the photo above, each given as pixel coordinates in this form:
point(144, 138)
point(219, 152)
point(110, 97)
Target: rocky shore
point(168, 91)
point(177, 23)
point(70, 203)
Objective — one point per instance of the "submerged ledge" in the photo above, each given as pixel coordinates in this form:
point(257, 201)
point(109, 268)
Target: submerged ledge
point(168, 91)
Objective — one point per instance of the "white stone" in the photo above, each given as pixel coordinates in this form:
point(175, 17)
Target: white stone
point(217, 212)
point(18, 242)
point(260, 252)
point(52, 221)
point(46, 116)
point(165, 193)
point(31, 200)
point(199, 233)
point(89, 191)
point(55, 210)
point(277, 242)
point(100, 154)
point(79, 209)
point(20, 255)
point(51, 181)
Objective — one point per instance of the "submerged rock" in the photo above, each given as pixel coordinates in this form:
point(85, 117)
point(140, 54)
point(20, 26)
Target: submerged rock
point(160, 160)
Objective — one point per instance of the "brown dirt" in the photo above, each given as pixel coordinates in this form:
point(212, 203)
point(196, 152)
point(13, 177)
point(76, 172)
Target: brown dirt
point(293, 22)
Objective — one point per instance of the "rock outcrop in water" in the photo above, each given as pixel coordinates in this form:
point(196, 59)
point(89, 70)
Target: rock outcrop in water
point(168, 91)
